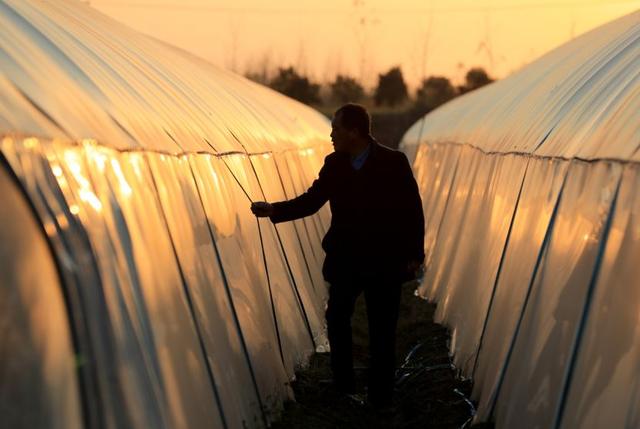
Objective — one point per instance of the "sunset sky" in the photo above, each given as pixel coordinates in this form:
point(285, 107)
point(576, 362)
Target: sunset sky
point(365, 37)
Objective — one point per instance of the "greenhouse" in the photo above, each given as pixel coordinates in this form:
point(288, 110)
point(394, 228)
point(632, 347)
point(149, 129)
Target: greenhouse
point(128, 248)
point(530, 194)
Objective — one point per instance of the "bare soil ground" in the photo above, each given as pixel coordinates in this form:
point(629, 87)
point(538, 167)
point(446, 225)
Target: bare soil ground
point(428, 394)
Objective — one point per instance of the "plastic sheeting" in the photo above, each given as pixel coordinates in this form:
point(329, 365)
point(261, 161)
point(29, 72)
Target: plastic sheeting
point(540, 192)
point(141, 162)
point(193, 243)
point(207, 310)
point(579, 100)
point(139, 265)
point(530, 197)
point(289, 239)
point(542, 351)
point(40, 387)
point(488, 210)
point(129, 91)
point(607, 376)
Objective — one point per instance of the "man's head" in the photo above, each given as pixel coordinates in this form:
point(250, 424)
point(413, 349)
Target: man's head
point(350, 128)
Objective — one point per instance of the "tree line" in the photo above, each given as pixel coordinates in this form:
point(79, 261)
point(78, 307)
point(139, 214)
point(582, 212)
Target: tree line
point(391, 89)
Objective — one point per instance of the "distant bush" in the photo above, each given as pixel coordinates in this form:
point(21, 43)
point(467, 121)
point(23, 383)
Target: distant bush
point(290, 83)
point(475, 78)
point(433, 92)
point(345, 89)
point(391, 89)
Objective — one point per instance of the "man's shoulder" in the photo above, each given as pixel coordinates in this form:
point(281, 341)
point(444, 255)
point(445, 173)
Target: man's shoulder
point(332, 156)
point(335, 157)
point(389, 154)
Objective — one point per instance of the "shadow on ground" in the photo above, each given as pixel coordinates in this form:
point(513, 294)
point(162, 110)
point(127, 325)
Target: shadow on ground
point(428, 394)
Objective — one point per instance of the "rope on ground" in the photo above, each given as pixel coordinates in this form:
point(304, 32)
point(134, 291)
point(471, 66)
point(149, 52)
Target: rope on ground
point(472, 408)
point(413, 367)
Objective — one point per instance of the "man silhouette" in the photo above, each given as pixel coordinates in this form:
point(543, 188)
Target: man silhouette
point(374, 243)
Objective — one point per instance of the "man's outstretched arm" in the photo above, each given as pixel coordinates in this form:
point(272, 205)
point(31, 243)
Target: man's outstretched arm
point(304, 205)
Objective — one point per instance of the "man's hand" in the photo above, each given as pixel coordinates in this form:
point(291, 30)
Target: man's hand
point(262, 209)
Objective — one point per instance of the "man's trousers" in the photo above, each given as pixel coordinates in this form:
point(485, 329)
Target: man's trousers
point(382, 298)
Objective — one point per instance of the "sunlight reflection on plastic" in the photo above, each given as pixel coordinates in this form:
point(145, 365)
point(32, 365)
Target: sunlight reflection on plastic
point(99, 158)
point(73, 162)
point(57, 171)
point(135, 160)
point(90, 197)
point(30, 142)
point(215, 178)
point(124, 185)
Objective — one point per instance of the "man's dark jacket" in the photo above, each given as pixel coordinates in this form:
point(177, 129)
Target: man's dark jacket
point(377, 224)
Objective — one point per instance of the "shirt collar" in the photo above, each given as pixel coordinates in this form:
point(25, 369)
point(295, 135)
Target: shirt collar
point(363, 155)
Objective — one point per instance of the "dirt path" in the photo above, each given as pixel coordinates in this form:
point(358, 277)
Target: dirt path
point(428, 396)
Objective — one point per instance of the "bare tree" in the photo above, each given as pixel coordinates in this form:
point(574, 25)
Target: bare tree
point(419, 53)
point(485, 44)
point(426, 39)
point(301, 62)
point(261, 69)
point(235, 24)
point(364, 20)
point(333, 66)
point(572, 26)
